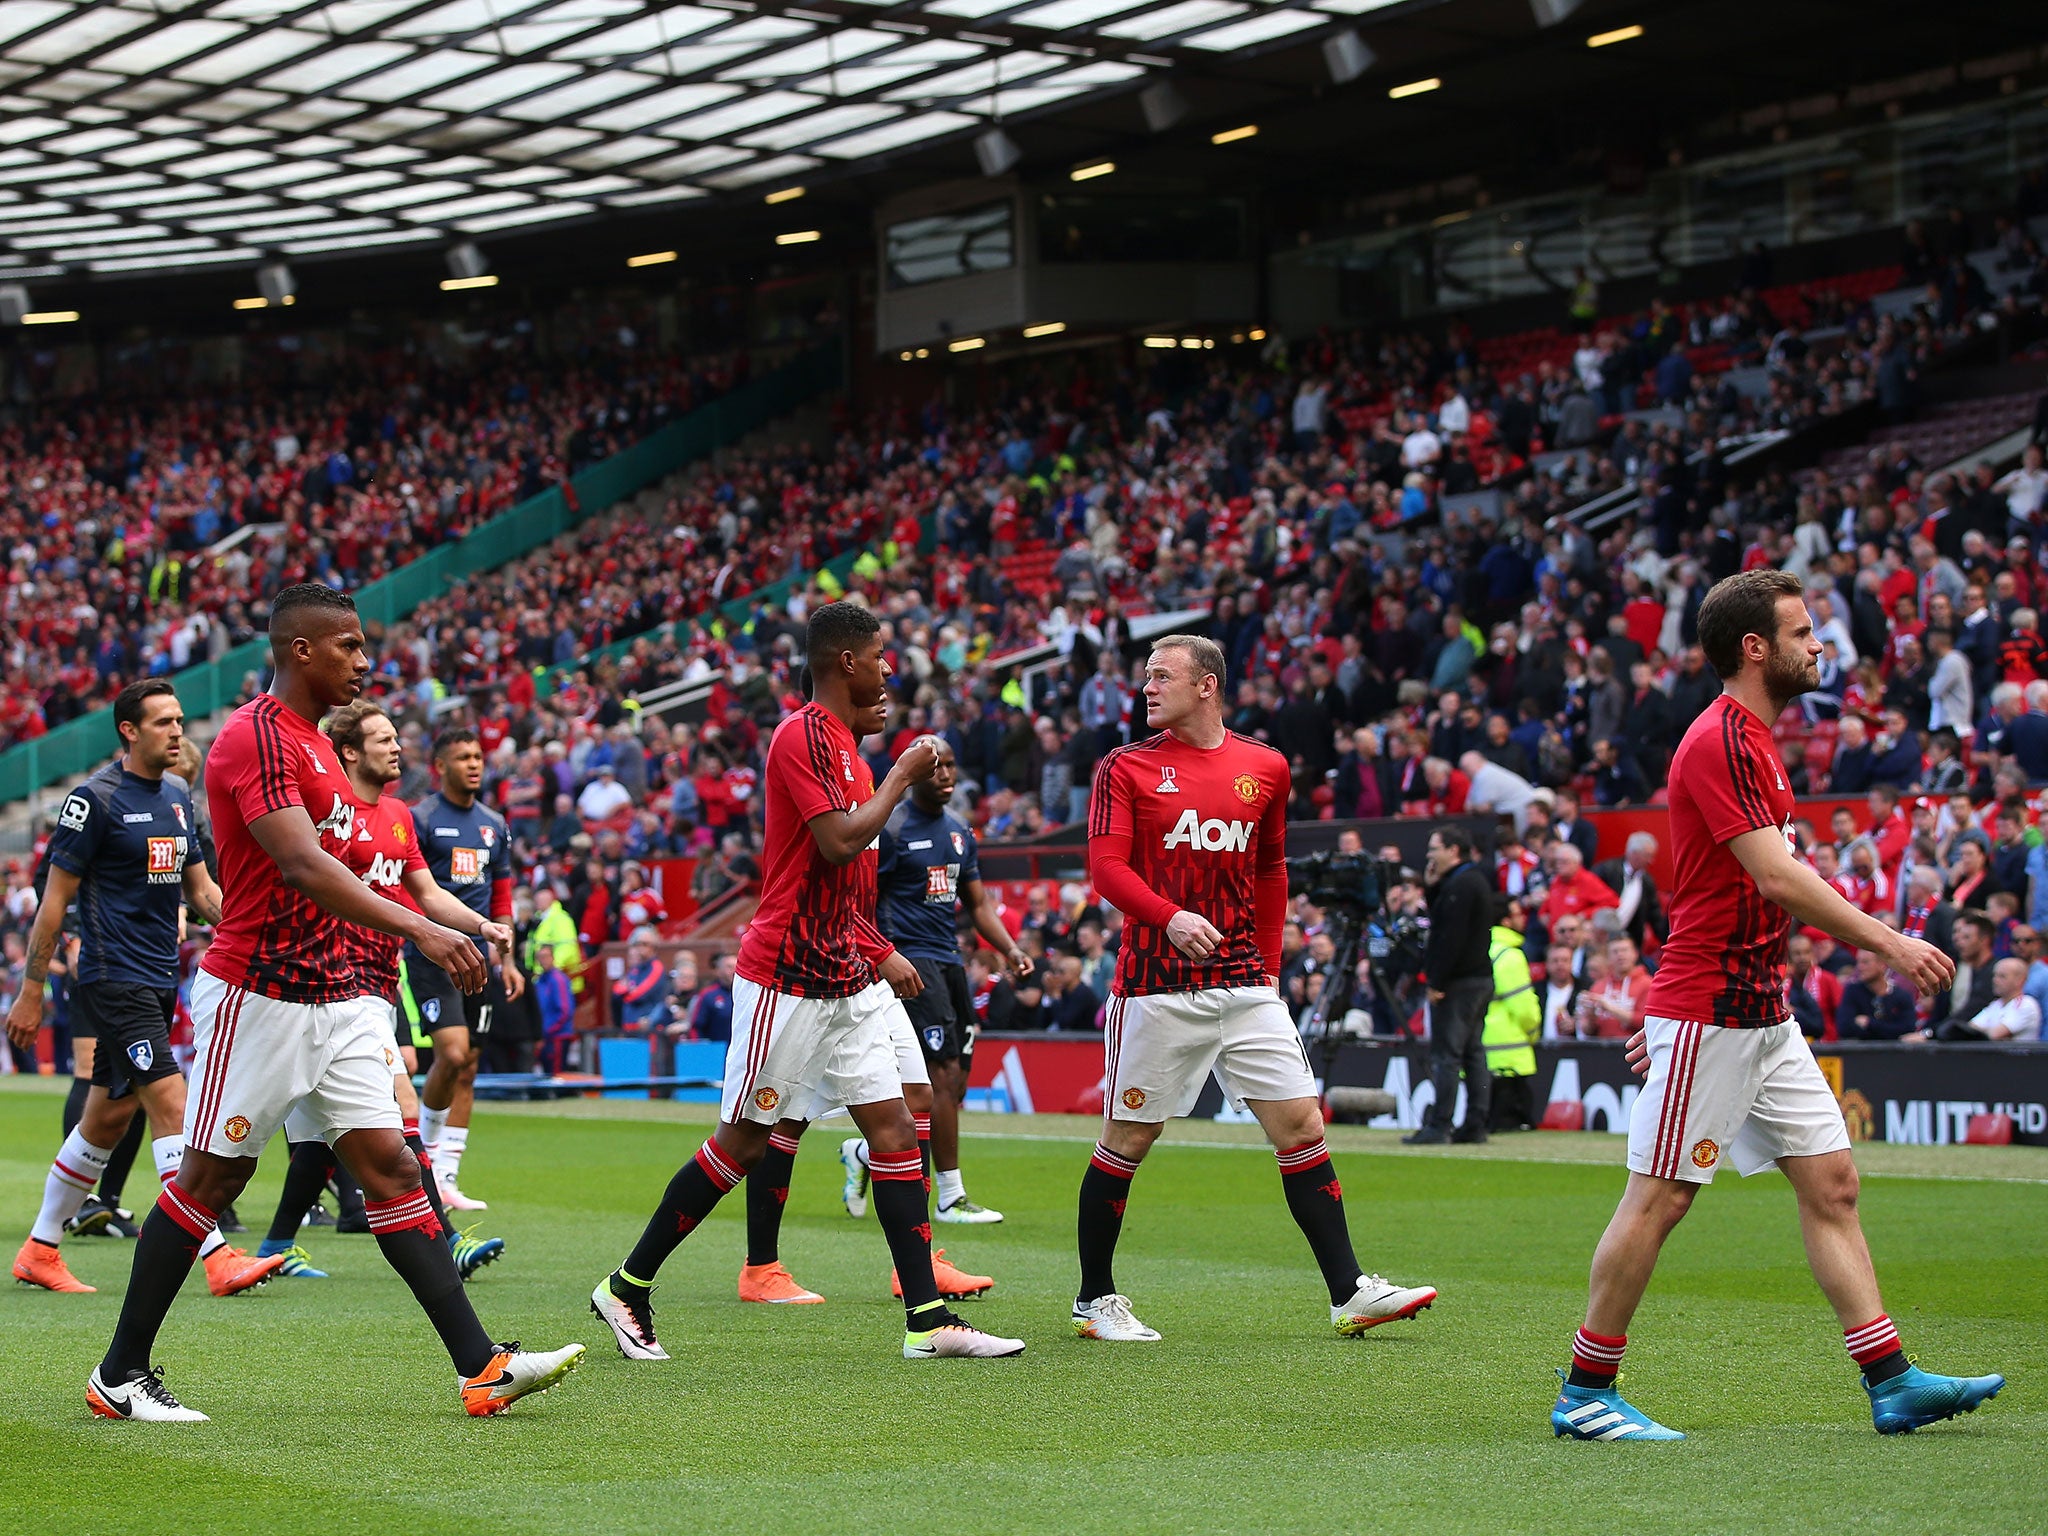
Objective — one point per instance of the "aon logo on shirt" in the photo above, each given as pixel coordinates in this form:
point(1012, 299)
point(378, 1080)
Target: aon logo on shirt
point(384, 871)
point(1214, 835)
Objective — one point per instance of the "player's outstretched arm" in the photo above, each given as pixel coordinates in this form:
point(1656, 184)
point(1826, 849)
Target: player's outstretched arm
point(841, 836)
point(441, 905)
point(25, 1017)
point(1800, 890)
point(290, 839)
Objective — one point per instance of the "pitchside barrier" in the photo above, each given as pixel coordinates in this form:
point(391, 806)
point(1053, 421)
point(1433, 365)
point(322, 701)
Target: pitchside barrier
point(1919, 1095)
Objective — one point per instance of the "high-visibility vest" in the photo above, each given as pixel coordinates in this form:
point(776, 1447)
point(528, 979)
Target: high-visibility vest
point(1514, 1019)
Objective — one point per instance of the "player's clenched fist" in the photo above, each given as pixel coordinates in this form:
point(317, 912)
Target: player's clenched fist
point(1195, 937)
point(902, 976)
point(919, 760)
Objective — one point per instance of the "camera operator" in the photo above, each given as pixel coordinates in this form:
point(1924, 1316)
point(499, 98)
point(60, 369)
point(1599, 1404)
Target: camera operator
point(1460, 974)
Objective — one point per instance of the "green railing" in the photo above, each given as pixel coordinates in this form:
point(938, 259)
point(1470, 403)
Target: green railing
point(79, 745)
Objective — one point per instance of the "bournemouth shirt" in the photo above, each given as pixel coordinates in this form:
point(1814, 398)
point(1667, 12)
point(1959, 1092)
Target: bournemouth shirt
point(1173, 827)
point(468, 852)
point(923, 862)
point(812, 935)
point(1725, 960)
point(383, 850)
point(128, 840)
point(271, 939)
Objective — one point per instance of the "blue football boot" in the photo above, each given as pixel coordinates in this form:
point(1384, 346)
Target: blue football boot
point(1917, 1397)
point(1602, 1413)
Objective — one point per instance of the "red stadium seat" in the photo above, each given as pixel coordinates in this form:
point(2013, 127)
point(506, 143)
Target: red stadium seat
point(1563, 1115)
point(1993, 1130)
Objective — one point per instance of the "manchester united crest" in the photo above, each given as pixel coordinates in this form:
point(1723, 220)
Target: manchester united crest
point(765, 1100)
point(1704, 1154)
point(1134, 1098)
point(1247, 788)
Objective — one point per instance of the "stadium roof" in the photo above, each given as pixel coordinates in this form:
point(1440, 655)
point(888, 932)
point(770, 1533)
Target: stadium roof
point(140, 136)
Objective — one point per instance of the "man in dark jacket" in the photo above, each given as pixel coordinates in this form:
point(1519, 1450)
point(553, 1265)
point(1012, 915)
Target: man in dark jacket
point(1460, 974)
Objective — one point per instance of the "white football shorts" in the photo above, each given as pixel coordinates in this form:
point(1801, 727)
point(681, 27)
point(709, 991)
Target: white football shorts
point(795, 1057)
point(1160, 1048)
point(1747, 1096)
point(259, 1063)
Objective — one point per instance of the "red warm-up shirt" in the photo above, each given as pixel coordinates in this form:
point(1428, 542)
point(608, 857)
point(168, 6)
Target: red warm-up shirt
point(1173, 828)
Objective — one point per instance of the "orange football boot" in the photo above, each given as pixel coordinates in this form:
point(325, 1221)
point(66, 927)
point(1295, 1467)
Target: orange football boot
point(41, 1264)
point(954, 1284)
point(771, 1282)
point(230, 1271)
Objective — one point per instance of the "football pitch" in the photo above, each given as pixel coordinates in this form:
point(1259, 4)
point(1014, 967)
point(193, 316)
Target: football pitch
point(334, 1410)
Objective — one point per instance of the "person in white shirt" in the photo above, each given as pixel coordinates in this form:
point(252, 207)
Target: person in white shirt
point(1499, 790)
point(603, 796)
point(2012, 1015)
point(1948, 692)
point(2025, 488)
point(1308, 412)
point(1828, 625)
point(1421, 447)
point(1454, 415)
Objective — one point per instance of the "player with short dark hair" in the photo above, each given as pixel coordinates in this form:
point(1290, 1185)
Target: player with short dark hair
point(385, 855)
point(1187, 836)
point(928, 869)
point(1730, 1077)
point(279, 1029)
point(125, 849)
point(468, 851)
point(811, 1001)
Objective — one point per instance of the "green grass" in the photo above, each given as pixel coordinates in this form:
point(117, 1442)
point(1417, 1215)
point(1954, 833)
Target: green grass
point(333, 1409)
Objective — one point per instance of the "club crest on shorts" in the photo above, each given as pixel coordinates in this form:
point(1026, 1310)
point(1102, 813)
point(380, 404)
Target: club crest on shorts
point(1247, 788)
point(143, 1054)
point(765, 1099)
point(1704, 1153)
point(237, 1128)
point(1134, 1098)
point(430, 1010)
point(935, 1038)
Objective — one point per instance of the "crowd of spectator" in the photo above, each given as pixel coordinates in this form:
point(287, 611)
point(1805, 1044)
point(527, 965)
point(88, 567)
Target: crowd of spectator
point(118, 515)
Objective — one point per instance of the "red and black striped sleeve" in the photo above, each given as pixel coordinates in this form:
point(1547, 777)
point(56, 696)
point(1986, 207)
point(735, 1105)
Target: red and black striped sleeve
point(267, 777)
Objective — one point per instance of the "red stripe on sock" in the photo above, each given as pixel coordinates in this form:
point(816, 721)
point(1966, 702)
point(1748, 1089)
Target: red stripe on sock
point(185, 1211)
point(782, 1141)
point(1111, 1163)
point(924, 1126)
point(1873, 1341)
point(403, 1214)
point(1598, 1353)
point(718, 1168)
point(895, 1165)
point(71, 1175)
point(1307, 1155)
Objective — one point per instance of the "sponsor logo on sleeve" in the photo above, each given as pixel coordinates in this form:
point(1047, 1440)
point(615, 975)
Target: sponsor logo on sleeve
point(76, 810)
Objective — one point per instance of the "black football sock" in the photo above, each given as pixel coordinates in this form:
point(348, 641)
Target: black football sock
point(1317, 1201)
point(1104, 1188)
point(409, 1236)
point(1876, 1350)
point(428, 1182)
point(304, 1177)
point(164, 1250)
point(767, 1196)
point(897, 1189)
point(74, 1104)
point(348, 1197)
point(115, 1179)
point(697, 1187)
point(1596, 1359)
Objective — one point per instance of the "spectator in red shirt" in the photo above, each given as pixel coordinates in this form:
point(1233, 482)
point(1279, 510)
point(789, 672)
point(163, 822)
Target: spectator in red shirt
point(1448, 787)
point(1815, 983)
point(1574, 889)
point(1888, 827)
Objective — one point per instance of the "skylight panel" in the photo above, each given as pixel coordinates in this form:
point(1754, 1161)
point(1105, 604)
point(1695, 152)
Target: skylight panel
point(968, 8)
point(148, 95)
point(1354, 7)
point(25, 130)
point(331, 66)
point(88, 185)
point(356, 242)
point(541, 215)
point(401, 197)
point(73, 84)
point(278, 231)
point(745, 113)
point(1003, 71)
point(150, 151)
point(501, 85)
point(540, 146)
point(346, 16)
point(634, 146)
point(330, 188)
point(105, 237)
point(774, 169)
point(525, 176)
point(164, 258)
point(64, 228)
point(1174, 19)
point(19, 16)
point(153, 199)
point(156, 247)
point(710, 158)
point(93, 27)
point(418, 75)
point(1254, 30)
point(661, 107)
point(456, 19)
point(91, 142)
point(645, 34)
point(393, 123)
point(912, 129)
point(571, 101)
point(263, 218)
point(813, 126)
point(815, 56)
point(225, 162)
point(656, 195)
point(466, 207)
point(1062, 15)
point(230, 106)
point(180, 40)
point(277, 175)
point(254, 54)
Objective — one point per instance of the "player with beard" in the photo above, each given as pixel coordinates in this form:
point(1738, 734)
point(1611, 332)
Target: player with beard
point(385, 854)
point(281, 1032)
point(810, 1005)
point(1730, 1077)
